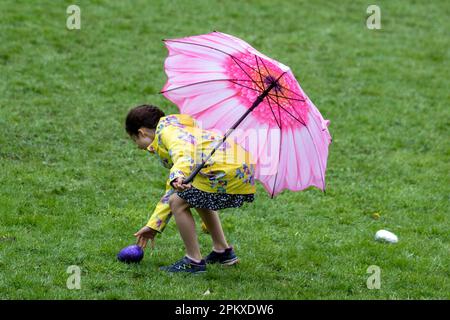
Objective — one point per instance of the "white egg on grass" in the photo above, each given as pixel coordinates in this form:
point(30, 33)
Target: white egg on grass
point(384, 235)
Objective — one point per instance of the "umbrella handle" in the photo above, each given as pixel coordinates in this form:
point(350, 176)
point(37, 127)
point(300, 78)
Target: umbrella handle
point(254, 105)
point(194, 173)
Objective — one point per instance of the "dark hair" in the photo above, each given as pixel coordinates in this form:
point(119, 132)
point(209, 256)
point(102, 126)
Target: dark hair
point(142, 116)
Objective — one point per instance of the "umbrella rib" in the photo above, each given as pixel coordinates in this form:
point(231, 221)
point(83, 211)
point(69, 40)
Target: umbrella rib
point(250, 88)
point(260, 77)
point(209, 47)
point(277, 102)
point(295, 109)
point(270, 94)
point(267, 70)
point(291, 104)
point(284, 97)
point(286, 88)
point(234, 59)
point(269, 97)
point(314, 120)
point(276, 174)
point(277, 120)
point(278, 123)
point(304, 123)
point(281, 139)
point(279, 145)
point(259, 71)
point(294, 117)
point(221, 51)
point(205, 81)
point(315, 148)
point(279, 157)
point(309, 132)
point(280, 84)
point(279, 112)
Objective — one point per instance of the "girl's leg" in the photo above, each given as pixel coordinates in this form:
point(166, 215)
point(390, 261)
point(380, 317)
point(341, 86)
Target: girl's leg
point(186, 225)
point(212, 222)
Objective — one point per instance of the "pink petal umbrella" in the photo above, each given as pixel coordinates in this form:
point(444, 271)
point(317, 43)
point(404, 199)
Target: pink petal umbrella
point(223, 83)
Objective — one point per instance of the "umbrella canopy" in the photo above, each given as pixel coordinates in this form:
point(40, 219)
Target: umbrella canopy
point(222, 82)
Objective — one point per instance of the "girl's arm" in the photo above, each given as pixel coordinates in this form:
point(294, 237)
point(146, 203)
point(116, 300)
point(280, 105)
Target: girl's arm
point(162, 214)
point(158, 221)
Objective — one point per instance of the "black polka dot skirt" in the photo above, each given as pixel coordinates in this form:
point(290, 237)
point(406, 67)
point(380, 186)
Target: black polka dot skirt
point(214, 201)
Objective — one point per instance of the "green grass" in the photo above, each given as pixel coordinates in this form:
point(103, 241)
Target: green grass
point(73, 187)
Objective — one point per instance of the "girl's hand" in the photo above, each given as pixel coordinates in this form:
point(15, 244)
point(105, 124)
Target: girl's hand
point(144, 235)
point(179, 186)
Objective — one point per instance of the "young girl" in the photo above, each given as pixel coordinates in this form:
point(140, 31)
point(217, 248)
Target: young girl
point(226, 180)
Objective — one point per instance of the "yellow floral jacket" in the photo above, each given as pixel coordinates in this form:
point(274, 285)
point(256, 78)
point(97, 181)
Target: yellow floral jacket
point(180, 145)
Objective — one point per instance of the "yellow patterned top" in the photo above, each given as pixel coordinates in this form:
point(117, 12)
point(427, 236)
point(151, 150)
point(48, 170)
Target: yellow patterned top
point(180, 145)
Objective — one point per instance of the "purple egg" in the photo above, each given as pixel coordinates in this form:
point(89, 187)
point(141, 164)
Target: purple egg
point(132, 253)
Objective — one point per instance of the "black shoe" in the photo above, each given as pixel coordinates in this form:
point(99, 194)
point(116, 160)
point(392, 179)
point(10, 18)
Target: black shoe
point(226, 258)
point(186, 265)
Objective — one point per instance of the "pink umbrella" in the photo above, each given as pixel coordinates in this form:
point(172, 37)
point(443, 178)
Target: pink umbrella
point(223, 83)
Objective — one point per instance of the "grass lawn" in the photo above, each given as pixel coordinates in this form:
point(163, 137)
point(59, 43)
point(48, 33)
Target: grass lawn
point(73, 187)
